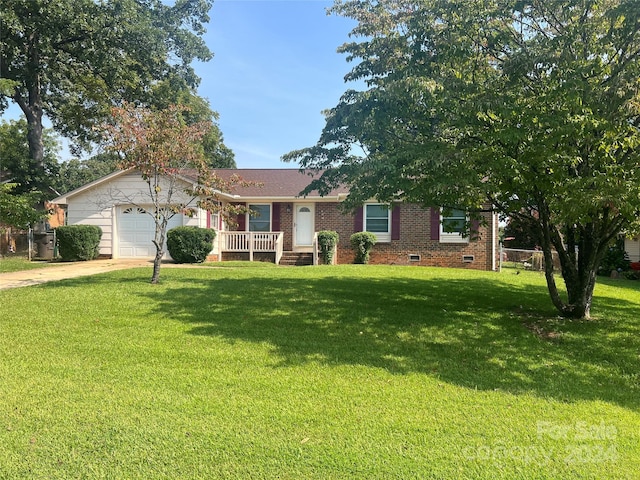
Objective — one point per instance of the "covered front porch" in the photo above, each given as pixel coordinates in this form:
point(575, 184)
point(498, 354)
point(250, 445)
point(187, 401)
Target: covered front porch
point(254, 246)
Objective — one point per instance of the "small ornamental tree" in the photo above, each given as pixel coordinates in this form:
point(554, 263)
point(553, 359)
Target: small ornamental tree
point(168, 154)
point(327, 240)
point(362, 242)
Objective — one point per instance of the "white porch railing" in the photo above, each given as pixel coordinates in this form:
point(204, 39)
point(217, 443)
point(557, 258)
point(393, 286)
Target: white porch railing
point(279, 247)
point(252, 242)
point(316, 250)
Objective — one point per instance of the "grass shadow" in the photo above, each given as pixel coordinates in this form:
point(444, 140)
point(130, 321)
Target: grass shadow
point(482, 333)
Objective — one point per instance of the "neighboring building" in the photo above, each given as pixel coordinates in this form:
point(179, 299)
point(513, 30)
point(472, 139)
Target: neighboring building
point(284, 225)
point(632, 247)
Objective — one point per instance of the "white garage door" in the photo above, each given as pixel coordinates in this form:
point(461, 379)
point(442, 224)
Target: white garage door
point(136, 230)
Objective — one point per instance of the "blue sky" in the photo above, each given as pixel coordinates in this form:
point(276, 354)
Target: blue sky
point(275, 69)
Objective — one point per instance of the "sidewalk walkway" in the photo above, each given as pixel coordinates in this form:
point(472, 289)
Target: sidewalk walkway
point(61, 271)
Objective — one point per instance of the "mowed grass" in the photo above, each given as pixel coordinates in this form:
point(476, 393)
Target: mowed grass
point(16, 264)
point(317, 373)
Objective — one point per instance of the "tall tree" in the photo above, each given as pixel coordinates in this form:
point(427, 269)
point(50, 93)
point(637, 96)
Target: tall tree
point(168, 153)
point(531, 106)
point(76, 172)
point(71, 60)
point(25, 187)
point(198, 109)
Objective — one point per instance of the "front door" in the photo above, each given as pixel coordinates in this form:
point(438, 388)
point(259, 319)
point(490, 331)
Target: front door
point(303, 225)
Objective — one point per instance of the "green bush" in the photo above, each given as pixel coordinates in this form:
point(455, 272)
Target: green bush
point(327, 240)
point(362, 242)
point(615, 259)
point(190, 244)
point(78, 242)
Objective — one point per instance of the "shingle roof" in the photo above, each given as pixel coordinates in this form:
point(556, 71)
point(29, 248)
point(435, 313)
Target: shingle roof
point(275, 182)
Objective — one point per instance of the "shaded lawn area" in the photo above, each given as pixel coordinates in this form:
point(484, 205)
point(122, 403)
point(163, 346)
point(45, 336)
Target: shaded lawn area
point(317, 372)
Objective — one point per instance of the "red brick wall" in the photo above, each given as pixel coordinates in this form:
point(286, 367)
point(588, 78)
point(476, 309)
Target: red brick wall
point(244, 256)
point(286, 225)
point(415, 239)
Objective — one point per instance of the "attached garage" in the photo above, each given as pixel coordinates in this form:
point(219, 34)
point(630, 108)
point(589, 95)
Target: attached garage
point(135, 231)
point(119, 205)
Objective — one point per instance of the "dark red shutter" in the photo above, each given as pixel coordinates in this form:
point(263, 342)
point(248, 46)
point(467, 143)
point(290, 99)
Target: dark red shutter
point(242, 224)
point(275, 217)
point(475, 229)
point(357, 220)
point(435, 223)
point(395, 223)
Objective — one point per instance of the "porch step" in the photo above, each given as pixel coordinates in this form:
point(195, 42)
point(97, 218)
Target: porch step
point(296, 259)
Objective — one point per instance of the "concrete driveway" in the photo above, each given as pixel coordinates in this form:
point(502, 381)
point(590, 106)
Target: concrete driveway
point(61, 271)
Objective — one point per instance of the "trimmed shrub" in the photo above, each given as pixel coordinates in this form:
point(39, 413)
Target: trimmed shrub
point(190, 244)
point(632, 275)
point(615, 259)
point(362, 242)
point(78, 242)
point(327, 240)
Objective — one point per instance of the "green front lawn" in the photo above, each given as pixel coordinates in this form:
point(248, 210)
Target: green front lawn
point(16, 264)
point(317, 372)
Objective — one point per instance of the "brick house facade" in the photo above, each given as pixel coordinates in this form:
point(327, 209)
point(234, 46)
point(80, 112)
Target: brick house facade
point(282, 223)
point(417, 241)
point(414, 232)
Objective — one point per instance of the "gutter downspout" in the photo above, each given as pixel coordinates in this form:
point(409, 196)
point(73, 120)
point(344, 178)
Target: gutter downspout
point(494, 240)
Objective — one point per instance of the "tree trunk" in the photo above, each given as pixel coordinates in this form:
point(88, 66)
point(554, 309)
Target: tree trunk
point(158, 241)
point(579, 282)
point(578, 269)
point(30, 102)
point(34, 137)
point(157, 261)
point(33, 113)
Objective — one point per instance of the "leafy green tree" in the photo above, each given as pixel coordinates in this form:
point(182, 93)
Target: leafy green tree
point(71, 60)
point(532, 107)
point(18, 167)
point(17, 209)
point(75, 172)
point(198, 109)
point(520, 232)
point(24, 187)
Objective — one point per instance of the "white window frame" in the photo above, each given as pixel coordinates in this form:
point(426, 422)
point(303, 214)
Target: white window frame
point(214, 221)
point(381, 237)
point(249, 217)
point(452, 237)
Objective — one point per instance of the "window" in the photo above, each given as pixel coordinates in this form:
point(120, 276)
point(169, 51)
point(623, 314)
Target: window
point(452, 226)
point(260, 218)
point(131, 210)
point(377, 220)
point(214, 220)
